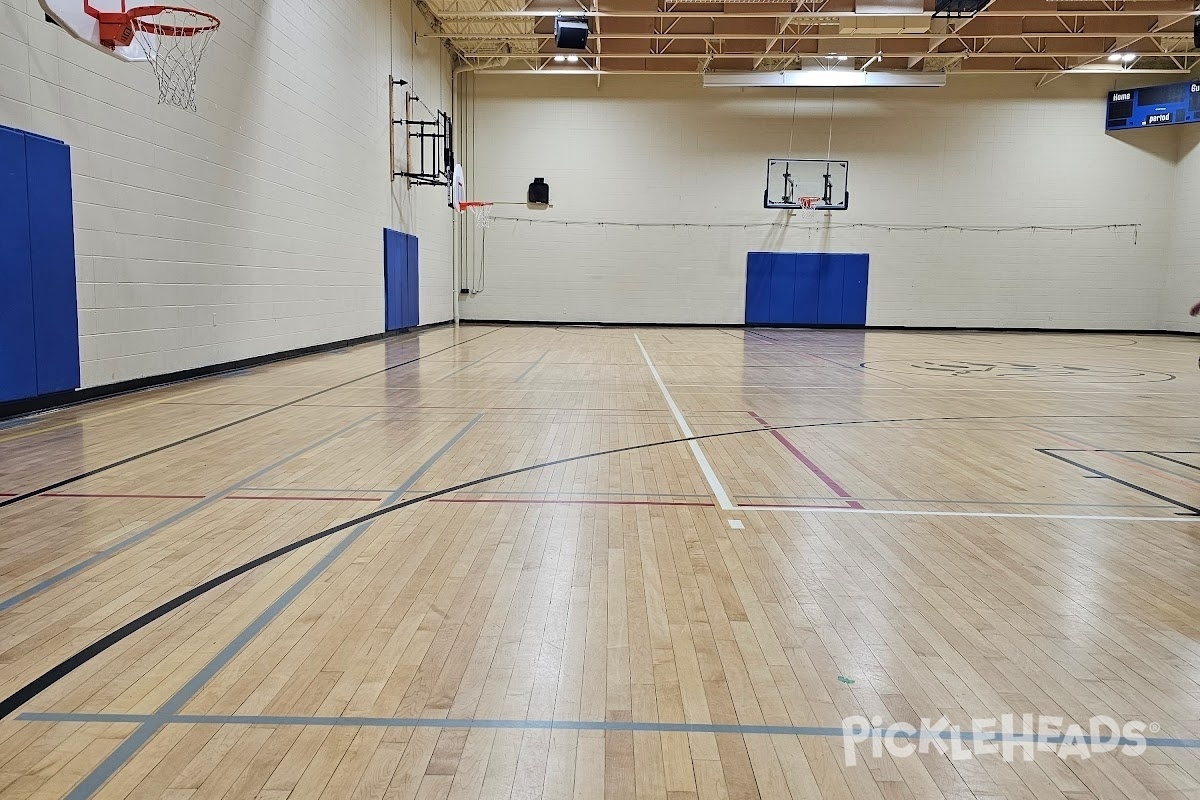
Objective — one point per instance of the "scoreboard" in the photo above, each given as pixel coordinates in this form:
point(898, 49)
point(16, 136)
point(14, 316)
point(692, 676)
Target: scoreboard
point(1169, 104)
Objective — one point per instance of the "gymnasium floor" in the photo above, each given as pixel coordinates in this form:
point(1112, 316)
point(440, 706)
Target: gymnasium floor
point(892, 524)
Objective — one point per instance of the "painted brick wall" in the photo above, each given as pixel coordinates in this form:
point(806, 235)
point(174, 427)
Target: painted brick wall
point(1181, 289)
point(254, 226)
point(983, 151)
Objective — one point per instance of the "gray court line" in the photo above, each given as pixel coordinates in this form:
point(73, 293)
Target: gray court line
point(531, 366)
point(416, 490)
point(324, 489)
point(150, 726)
point(146, 533)
point(952, 502)
point(584, 725)
point(460, 369)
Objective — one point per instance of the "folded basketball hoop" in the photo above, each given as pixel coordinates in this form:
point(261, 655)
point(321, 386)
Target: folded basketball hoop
point(174, 39)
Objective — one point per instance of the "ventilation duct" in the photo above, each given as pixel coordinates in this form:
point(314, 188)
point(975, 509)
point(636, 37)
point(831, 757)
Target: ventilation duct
point(824, 77)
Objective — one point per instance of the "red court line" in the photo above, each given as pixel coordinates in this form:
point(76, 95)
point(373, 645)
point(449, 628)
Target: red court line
point(532, 501)
point(99, 496)
point(118, 496)
point(574, 502)
point(829, 482)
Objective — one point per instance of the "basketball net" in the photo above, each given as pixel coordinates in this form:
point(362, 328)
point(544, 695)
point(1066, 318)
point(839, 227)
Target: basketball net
point(175, 40)
point(480, 210)
point(808, 209)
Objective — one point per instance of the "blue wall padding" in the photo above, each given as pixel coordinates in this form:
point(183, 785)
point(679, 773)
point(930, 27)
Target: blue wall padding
point(855, 271)
point(783, 296)
point(806, 288)
point(829, 291)
point(394, 255)
point(39, 315)
point(412, 289)
point(400, 280)
point(52, 254)
point(18, 356)
point(758, 286)
point(807, 277)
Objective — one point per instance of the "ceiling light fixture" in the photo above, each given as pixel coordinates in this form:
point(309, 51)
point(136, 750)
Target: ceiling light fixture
point(560, 59)
point(572, 58)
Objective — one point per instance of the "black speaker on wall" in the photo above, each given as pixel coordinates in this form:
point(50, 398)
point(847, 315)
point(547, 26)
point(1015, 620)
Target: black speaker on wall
point(571, 33)
point(539, 192)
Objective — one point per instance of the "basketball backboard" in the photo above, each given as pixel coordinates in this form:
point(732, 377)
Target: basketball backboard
point(73, 17)
point(791, 180)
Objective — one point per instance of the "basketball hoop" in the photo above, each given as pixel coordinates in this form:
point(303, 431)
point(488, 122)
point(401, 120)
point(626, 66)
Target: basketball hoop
point(808, 208)
point(174, 39)
point(482, 211)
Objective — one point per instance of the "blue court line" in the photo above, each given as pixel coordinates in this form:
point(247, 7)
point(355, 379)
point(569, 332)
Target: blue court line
point(146, 533)
point(583, 725)
point(151, 725)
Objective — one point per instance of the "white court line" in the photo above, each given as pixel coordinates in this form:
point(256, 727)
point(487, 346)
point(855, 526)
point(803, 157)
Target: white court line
point(718, 491)
point(1000, 514)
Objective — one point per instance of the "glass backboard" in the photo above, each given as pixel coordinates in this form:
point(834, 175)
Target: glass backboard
point(791, 180)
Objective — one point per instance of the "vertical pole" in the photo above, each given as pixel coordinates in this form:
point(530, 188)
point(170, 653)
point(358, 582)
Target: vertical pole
point(392, 127)
point(407, 138)
point(455, 237)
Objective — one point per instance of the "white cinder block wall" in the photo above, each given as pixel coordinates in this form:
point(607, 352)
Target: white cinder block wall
point(1181, 288)
point(991, 151)
point(256, 225)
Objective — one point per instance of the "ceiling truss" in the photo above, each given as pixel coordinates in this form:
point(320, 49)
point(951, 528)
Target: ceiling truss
point(1045, 37)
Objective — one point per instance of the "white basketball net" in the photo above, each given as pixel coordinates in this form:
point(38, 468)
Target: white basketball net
point(175, 40)
point(808, 210)
point(482, 214)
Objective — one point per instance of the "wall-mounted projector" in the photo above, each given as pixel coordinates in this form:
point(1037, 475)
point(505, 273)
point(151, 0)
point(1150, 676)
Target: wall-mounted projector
point(571, 33)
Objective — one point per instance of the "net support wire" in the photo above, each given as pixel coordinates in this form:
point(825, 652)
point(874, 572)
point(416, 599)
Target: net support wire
point(1133, 227)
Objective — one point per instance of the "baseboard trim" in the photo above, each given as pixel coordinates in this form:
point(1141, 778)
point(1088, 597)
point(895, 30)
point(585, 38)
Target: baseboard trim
point(59, 400)
point(900, 328)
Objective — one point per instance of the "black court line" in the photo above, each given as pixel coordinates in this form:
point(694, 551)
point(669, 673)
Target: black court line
point(1192, 510)
point(51, 487)
point(1173, 460)
point(1163, 454)
point(63, 669)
